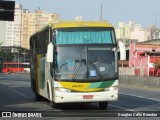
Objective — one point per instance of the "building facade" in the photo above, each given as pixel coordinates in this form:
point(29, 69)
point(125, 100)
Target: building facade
point(143, 58)
point(33, 22)
point(138, 33)
point(2, 33)
point(133, 31)
point(18, 32)
point(123, 31)
point(13, 29)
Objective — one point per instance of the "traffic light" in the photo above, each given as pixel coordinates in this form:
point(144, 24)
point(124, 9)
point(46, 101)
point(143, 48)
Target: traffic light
point(7, 10)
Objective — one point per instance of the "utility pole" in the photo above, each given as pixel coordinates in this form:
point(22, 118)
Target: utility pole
point(101, 13)
point(155, 27)
point(155, 22)
point(20, 27)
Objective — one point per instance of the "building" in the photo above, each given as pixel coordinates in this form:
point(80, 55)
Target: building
point(28, 28)
point(153, 32)
point(123, 31)
point(132, 31)
point(42, 18)
point(138, 33)
point(2, 33)
point(18, 32)
point(153, 41)
point(143, 58)
point(32, 22)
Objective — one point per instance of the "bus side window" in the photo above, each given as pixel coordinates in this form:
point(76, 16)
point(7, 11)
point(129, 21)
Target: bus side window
point(14, 66)
point(20, 65)
point(4, 65)
point(9, 65)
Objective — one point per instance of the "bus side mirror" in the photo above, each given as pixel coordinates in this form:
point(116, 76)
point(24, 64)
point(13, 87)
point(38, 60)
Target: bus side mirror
point(122, 50)
point(50, 53)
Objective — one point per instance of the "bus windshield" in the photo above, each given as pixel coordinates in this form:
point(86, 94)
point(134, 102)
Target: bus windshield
point(85, 62)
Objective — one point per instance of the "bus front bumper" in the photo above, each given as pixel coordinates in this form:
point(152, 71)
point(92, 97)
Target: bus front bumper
point(72, 97)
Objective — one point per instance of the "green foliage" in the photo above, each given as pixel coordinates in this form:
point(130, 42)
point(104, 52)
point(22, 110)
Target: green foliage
point(157, 64)
point(7, 55)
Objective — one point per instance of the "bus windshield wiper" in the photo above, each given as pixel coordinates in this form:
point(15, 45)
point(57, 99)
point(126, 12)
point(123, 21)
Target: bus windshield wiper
point(77, 68)
point(65, 64)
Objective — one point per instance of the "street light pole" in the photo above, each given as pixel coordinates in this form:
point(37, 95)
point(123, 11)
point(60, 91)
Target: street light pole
point(101, 12)
point(20, 27)
point(24, 55)
point(18, 60)
point(155, 26)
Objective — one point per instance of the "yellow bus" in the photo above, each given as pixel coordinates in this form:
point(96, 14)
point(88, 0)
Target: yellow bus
point(75, 61)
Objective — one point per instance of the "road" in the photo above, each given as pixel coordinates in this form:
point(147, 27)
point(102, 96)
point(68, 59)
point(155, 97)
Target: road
point(16, 95)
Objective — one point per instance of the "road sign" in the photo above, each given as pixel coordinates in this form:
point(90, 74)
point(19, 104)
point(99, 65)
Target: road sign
point(7, 10)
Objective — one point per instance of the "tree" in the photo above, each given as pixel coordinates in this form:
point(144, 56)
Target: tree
point(6, 55)
point(157, 64)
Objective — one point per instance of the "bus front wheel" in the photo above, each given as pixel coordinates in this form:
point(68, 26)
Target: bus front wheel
point(38, 97)
point(53, 104)
point(103, 105)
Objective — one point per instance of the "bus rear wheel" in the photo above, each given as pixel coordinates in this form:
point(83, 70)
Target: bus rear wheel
point(53, 104)
point(103, 105)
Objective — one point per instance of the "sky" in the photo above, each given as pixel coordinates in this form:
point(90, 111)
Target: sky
point(144, 12)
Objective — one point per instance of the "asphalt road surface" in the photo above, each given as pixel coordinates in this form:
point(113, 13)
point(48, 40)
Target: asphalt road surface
point(16, 96)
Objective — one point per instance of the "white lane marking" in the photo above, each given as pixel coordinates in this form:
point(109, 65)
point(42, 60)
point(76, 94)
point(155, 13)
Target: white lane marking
point(25, 82)
point(121, 107)
point(45, 105)
point(19, 93)
point(140, 97)
point(53, 109)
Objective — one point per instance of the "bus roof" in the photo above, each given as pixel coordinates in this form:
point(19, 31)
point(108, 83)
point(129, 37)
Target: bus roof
point(72, 24)
point(66, 24)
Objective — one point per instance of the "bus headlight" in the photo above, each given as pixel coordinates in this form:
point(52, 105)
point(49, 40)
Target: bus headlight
point(61, 89)
point(111, 88)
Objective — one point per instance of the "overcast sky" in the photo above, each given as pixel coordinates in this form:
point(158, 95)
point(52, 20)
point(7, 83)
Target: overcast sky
point(144, 12)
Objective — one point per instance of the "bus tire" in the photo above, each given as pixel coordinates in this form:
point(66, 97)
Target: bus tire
point(103, 105)
point(53, 104)
point(38, 97)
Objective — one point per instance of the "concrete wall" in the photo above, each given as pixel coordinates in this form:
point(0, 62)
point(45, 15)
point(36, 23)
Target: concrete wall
point(126, 71)
point(140, 81)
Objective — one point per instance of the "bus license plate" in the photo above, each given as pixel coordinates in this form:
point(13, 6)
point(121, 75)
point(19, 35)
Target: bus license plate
point(87, 96)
